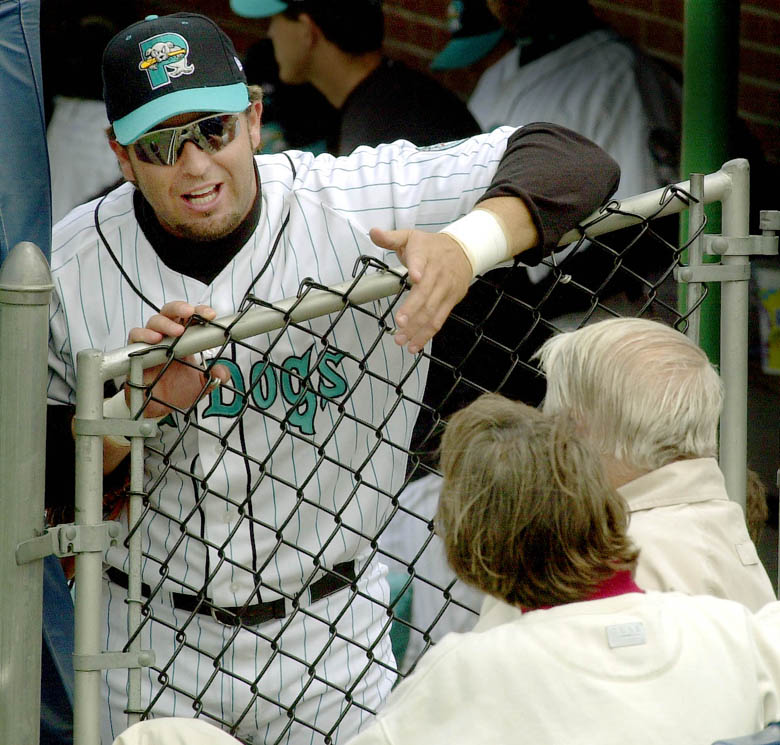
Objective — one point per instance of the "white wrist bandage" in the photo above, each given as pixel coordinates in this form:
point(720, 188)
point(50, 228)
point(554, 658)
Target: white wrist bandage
point(116, 408)
point(481, 236)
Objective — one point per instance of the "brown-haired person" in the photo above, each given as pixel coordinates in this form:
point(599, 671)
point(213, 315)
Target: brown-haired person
point(528, 516)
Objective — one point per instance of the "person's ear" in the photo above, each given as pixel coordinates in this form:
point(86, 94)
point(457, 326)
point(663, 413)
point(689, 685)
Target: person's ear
point(312, 33)
point(123, 158)
point(254, 122)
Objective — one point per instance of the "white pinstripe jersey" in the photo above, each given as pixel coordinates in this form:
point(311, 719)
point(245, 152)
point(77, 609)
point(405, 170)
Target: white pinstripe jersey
point(330, 460)
point(587, 85)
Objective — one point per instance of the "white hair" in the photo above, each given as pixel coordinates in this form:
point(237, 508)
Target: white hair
point(643, 392)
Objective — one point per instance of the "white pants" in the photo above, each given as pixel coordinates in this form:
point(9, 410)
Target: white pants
point(309, 664)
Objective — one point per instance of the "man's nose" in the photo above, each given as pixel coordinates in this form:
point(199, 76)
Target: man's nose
point(192, 158)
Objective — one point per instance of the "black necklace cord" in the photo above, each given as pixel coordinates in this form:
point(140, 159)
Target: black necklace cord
point(116, 261)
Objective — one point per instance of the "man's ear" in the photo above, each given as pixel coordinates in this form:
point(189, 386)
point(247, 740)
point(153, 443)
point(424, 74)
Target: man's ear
point(123, 158)
point(254, 121)
point(312, 32)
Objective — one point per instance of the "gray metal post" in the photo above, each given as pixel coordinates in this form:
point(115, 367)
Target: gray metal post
point(734, 338)
point(135, 510)
point(695, 254)
point(89, 565)
point(25, 291)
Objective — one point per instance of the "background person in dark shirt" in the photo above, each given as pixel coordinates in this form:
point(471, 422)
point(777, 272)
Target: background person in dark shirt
point(295, 117)
point(337, 47)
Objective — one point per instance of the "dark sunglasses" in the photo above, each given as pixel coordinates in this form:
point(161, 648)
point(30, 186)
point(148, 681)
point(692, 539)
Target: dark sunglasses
point(162, 146)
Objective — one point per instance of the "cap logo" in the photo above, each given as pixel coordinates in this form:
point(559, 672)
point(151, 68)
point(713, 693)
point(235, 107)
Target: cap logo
point(163, 57)
point(455, 16)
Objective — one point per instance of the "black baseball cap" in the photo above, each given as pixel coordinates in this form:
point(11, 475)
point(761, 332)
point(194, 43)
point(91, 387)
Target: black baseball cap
point(474, 32)
point(168, 65)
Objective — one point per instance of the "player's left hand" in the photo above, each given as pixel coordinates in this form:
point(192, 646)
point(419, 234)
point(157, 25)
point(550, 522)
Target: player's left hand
point(440, 275)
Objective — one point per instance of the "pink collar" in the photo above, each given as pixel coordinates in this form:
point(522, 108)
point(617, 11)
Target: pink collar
point(620, 583)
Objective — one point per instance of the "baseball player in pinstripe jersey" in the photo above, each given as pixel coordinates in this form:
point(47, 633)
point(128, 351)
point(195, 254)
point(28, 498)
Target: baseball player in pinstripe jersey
point(266, 608)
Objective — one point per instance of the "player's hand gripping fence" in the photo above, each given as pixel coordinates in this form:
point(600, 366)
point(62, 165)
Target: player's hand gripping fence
point(258, 520)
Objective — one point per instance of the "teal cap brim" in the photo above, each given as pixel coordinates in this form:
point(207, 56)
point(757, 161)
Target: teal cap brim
point(257, 8)
point(466, 50)
point(224, 99)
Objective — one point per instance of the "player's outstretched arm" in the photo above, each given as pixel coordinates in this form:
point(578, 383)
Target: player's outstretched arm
point(442, 265)
point(548, 180)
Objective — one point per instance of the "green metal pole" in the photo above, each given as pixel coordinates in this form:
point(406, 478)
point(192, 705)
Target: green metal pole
point(710, 64)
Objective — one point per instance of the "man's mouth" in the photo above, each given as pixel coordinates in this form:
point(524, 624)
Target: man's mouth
point(202, 197)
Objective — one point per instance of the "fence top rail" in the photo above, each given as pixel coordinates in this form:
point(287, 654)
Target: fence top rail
point(652, 204)
point(314, 302)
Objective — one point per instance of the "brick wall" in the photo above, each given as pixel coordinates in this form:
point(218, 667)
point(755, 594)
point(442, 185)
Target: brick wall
point(656, 25)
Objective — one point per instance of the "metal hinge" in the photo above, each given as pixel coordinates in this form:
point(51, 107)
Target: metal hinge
point(712, 273)
point(765, 244)
point(748, 245)
point(116, 427)
point(769, 221)
point(113, 660)
point(68, 540)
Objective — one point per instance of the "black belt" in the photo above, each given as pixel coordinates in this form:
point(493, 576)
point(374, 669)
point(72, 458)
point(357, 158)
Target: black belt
point(341, 576)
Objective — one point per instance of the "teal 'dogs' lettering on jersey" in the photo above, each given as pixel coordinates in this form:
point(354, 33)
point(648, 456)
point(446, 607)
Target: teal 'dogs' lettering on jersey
point(302, 400)
point(163, 57)
point(218, 406)
point(295, 379)
point(332, 384)
point(263, 384)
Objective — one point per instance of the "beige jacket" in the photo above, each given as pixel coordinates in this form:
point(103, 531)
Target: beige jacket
point(175, 731)
point(691, 537)
point(646, 669)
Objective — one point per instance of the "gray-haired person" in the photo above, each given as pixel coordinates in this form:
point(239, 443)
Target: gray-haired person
point(649, 401)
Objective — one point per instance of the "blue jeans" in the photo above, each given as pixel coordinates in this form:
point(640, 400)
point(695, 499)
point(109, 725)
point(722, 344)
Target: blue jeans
point(25, 199)
point(25, 215)
point(56, 657)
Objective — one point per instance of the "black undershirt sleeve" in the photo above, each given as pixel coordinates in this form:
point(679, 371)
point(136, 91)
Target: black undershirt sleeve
point(60, 457)
point(561, 177)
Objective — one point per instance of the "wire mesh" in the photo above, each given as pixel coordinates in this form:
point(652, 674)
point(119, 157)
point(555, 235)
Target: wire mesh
point(291, 571)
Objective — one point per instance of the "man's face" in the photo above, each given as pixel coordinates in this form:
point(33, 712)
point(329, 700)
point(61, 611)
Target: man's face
point(512, 14)
point(292, 42)
point(202, 196)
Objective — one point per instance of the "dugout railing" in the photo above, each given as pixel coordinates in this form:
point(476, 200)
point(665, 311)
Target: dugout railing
point(624, 260)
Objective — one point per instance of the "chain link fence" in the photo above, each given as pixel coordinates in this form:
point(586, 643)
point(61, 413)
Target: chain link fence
point(277, 567)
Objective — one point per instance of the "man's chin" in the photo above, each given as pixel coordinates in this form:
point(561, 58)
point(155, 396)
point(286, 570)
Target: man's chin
point(210, 228)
